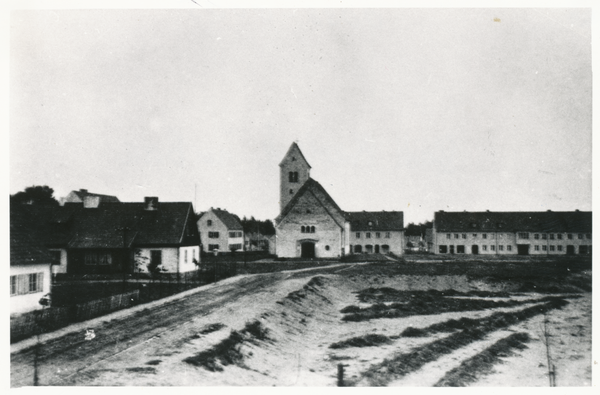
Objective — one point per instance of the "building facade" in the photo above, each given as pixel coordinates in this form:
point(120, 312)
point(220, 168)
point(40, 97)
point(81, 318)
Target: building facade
point(512, 233)
point(221, 231)
point(312, 225)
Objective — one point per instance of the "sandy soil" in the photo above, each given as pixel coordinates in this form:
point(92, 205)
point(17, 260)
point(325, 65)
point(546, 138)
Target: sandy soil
point(301, 331)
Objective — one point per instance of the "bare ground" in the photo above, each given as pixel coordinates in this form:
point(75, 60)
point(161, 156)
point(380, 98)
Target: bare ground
point(301, 318)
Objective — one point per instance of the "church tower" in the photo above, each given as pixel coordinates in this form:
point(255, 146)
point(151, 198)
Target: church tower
point(294, 171)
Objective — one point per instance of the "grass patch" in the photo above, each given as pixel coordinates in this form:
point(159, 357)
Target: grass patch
point(310, 288)
point(481, 364)
point(227, 352)
point(401, 364)
point(362, 341)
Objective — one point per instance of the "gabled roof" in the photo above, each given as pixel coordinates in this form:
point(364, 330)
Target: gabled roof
point(375, 220)
point(231, 221)
point(294, 148)
point(525, 221)
point(26, 247)
point(113, 225)
point(82, 193)
point(318, 191)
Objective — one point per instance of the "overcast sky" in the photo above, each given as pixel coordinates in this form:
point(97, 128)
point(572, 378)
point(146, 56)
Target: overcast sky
point(415, 110)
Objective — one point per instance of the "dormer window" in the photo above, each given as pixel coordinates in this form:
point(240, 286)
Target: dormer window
point(370, 223)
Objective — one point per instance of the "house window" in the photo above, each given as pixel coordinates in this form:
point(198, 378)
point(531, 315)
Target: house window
point(156, 258)
point(508, 248)
point(544, 247)
point(559, 248)
point(13, 285)
point(209, 222)
point(55, 257)
point(493, 247)
point(212, 247)
point(464, 235)
point(213, 235)
point(235, 247)
point(293, 176)
point(185, 253)
point(369, 249)
point(312, 229)
point(358, 235)
point(456, 235)
point(536, 247)
point(460, 249)
point(387, 235)
point(559, 236)
point(474, 235)
point(570, 236)
point(551, 248)
point(326, 248)
point(443, 249)
point(97, 258)
point(551, 236)
point(484, 235)
point(500, 248)
point(448, 236)
point(484, 248)
point(35, 282)
point(291, 191)
point(377, 235)
point(544, 236)
point(368, 235)
point(523, 235)
point(358, 249)
point(235, 234)
point(536, 236)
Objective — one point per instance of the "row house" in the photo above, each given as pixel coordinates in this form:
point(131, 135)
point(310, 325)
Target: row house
point(517, 233)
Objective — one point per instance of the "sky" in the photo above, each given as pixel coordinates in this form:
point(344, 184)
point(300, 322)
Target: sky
point(413, 110)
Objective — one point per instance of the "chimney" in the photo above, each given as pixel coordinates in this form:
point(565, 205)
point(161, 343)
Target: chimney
point(91, 201)
point(151, 203)
point(83, 190)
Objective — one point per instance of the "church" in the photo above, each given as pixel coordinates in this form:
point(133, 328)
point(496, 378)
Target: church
point(311, 224)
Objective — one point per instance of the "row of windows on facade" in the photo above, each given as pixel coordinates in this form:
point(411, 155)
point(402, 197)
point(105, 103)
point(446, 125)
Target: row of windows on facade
point(212, 247)
point(559, 236)
point(377, 235)
point(524, 235)
point(307, 229)
point(460, 249)
point(357, 249)
point(22, 284)
point(215, 235)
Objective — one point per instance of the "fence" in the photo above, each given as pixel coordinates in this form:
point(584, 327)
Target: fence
point(45, 320)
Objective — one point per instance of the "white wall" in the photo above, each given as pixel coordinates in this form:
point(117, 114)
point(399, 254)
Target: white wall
point(29, 302)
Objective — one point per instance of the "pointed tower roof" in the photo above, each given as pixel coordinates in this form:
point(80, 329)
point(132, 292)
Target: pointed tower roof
point(294, 150)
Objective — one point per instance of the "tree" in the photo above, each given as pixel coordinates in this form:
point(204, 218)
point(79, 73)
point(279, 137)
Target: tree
point(417, 230)
point(38, 195)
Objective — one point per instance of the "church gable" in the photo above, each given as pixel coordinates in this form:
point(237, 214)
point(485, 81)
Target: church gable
point(294, 157)
point(308, 210)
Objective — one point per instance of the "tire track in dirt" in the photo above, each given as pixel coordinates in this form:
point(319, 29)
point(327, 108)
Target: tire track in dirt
point(64, 357)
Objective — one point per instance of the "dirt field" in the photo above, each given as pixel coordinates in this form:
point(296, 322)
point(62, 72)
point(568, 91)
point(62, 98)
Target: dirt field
point(388, 324)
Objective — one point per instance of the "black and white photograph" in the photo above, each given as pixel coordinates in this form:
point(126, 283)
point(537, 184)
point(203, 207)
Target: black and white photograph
point(320, 194)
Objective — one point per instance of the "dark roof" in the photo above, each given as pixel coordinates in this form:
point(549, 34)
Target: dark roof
point(113, 225)
point(313, 185)
point(375, 220)
point(231, 221)
point(26, 247)
point(293, 147)
point(103, 198)
point(525, 221)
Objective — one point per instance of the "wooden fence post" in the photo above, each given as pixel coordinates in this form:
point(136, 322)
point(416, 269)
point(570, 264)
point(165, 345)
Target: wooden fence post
point(340, 382)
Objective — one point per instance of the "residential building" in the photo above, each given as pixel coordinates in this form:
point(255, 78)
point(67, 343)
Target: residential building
point(311, 224)
point(96, 237)
point(83, 194)
point(30, 264)
point(506, 233)
point(220, 230)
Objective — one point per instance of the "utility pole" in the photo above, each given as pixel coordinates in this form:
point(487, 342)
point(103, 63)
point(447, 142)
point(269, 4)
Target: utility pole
point(124, 259)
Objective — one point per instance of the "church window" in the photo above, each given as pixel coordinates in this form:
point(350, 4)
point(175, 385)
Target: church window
point(302, 229)
point(327, 248)
point(312, 229)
